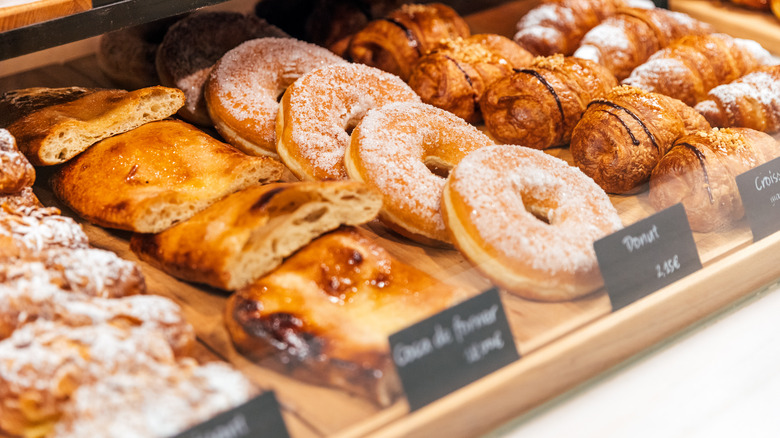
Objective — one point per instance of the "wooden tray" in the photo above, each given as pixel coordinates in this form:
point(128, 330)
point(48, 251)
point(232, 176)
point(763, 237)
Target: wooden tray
point(734, 20)
point(24, 12)
point(563, 344)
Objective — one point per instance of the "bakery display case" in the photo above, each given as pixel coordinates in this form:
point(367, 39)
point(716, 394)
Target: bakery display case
point(561, 340)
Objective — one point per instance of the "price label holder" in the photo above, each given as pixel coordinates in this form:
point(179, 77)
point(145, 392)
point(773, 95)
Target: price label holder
point(453, 348)
point(257, 417)
point(647, 256)
point(760, 192)
point(661, 3)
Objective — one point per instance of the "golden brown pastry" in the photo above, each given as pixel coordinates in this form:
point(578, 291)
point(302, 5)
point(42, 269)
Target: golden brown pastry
point(395, 43)
point(557, 26)
point(455, 75)
point(24, 198)
point(161, 173)
point(27, 232)
point(762, 5)
point(693, 65)
point(538, 107)
point(326, 313)
point(15, 104)
point(44, 362)
point(752, 101)
point(700, 172)
point(16, 173)
point(628, 38)
point(621, 138)
point(247, 234)
point(192, 46)
point(55, 134)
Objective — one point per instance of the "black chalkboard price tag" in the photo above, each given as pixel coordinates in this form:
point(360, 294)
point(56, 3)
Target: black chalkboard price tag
point(453, 348)
point(760, 192)
point(647, 256)
point(257, 417)
point(661, 3)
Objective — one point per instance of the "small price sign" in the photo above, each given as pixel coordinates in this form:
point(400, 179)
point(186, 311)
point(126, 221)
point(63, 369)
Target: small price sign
point(453, 348)
point(257, 417)
point(760, 192)
point(647, 256)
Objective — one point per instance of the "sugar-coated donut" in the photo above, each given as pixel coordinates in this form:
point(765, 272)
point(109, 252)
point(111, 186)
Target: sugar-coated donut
point(318, 111)
point(528, 221)
point(127, 56)
point(401, 150)
point(243, 89)
point(194, 44)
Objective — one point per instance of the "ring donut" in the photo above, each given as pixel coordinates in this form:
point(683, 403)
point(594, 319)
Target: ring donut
point(401, 150)
point(528, 221)
point(194, 44)
point(319, 110)
point(243, 89)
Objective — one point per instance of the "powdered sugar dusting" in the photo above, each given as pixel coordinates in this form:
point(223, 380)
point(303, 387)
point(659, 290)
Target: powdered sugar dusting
point(393, 145)
point(500, 184)
point(251, 77)
point(761, 88)
point(37, 229)
point(327, 101)
point(609, 37)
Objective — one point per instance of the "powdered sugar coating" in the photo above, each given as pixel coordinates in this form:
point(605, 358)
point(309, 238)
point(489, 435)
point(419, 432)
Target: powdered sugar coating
point(758, 91)
point(501, 186)
point(323, 105)
point(246, 82)
point(608, 38)
point(391, 151)
point(159, 404)
point(32, 230)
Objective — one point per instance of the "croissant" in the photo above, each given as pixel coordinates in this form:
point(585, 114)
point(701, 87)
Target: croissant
point(752, 101)
point(621, 138)
point(700, 172)
point(632, 35)
point(395, 43)
point(693, 65)
point(557, 26)
point(455, 76)
point(538, 107)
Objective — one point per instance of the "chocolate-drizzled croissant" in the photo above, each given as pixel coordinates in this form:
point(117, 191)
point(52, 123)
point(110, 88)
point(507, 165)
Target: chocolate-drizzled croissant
point(628, 38)
point(455, 76)
point(557, 26)
point(539, 106)
point(700, 172)
point(693, 65)
point(621, 138)
point(395, 43)
point(752, 101)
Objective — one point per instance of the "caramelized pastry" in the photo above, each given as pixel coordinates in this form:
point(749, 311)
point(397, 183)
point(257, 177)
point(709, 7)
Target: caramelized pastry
point(752, 101)
point(621, 138)
point(326, 313)
point(16, 104)
point(455, 75)
point(55, 134)
point(557, 26)
point(693, 65)
point(538, 107)
point(700, 172)
point(161, 173)
point(395, 43)
point(628, 38)
point(247, 234)
point(16, 172)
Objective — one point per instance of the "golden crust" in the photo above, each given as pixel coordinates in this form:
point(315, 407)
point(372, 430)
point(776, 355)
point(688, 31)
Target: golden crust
point(16, 173)
point(395, 43)
point(539, 107)
point(325, 314)
point(700, 172)
point(156, 175)
point(16, 104)
point(620, 138)
point(247, 234)
point(455, 75)
point(55, 134)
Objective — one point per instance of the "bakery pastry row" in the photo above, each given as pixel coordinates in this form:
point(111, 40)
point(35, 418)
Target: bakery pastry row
point(197, 212)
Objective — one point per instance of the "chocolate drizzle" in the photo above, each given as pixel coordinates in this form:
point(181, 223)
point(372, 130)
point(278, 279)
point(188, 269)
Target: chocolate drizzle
point(468, 79)
point(703, 163)
point(409, 34)
point(544, 82)
point(634, 116)
point(634, 140)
